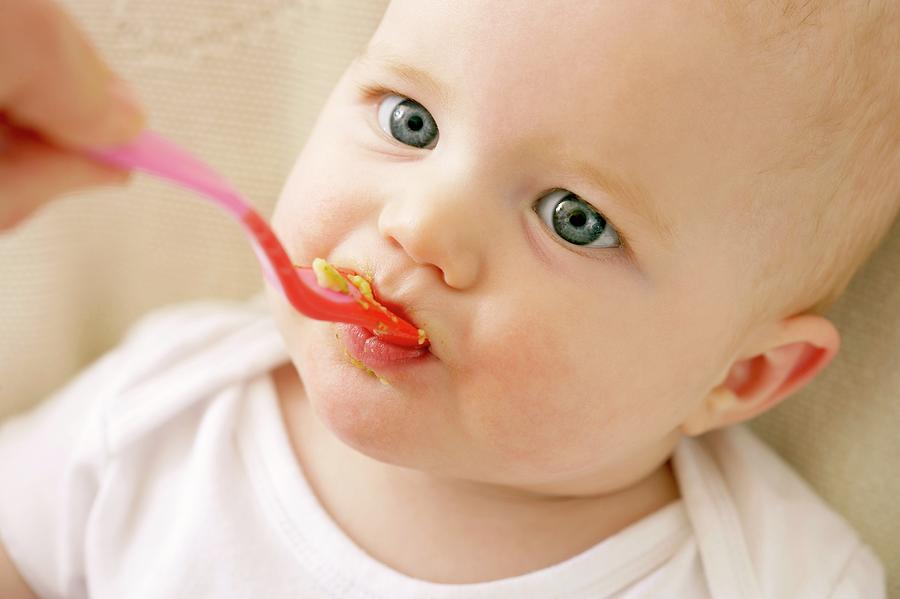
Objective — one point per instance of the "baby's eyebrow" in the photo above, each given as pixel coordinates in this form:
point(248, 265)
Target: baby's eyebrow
point(380, 56)
point(631, 194)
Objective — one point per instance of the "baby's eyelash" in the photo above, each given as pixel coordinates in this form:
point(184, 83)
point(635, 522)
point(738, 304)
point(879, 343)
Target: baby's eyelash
point(372, 91)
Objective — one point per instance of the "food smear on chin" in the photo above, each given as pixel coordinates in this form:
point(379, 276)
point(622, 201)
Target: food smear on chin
point(366, 369)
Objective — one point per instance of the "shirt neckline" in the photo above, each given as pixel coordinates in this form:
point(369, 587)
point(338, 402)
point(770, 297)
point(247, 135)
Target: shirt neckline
point(323, 548)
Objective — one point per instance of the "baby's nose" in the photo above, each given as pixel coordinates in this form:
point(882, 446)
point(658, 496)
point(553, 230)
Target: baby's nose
point(438, 232)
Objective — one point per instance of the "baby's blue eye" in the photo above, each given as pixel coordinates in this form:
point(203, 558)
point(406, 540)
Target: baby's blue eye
point(407, 121)
point(575, 220)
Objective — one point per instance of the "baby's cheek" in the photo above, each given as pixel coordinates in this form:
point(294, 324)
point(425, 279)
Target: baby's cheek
point(538, 406)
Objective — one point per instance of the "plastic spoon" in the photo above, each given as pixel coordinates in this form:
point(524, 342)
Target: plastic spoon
point(153, 154)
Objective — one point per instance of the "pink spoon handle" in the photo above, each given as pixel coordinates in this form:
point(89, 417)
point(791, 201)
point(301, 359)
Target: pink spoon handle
point(152, 154)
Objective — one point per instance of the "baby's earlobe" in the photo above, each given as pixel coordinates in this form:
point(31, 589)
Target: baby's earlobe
point(710, 413)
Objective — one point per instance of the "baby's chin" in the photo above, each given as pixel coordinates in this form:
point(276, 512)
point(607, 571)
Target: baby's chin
point(377, 420)
point(400, 422)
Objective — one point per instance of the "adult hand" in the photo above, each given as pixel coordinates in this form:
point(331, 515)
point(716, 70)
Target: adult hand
point(56, 95)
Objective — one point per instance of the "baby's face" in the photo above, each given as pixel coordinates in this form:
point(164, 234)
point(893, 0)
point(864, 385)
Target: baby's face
point(553, 192)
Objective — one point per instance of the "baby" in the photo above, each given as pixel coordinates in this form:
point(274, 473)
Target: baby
point(619, 223)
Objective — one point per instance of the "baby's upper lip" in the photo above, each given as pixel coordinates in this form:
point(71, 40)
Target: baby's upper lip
point(399, 306)
point(396, 307)
point(399, 310)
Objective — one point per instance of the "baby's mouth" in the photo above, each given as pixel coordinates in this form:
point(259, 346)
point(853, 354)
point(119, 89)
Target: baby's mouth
point(367, 348)
point(385, 320)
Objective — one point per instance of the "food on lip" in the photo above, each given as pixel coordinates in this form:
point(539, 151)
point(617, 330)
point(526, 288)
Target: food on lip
point(331, 278)
point(327, 276)
point(364, 287)
point(362, 366)
point(365, 368)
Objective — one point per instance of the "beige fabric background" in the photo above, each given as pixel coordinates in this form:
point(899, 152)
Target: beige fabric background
point(240, 83)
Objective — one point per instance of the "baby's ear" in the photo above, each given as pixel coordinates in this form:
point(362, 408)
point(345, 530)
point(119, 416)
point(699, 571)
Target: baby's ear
point(791, 355)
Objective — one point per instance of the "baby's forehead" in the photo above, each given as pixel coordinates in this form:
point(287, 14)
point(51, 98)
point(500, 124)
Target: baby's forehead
point(770, 18)
point(578, 41)
point(575, 74)
point(521, 47)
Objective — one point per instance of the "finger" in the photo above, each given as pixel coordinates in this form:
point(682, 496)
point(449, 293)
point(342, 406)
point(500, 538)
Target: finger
point(53, 81)
point(32, 172)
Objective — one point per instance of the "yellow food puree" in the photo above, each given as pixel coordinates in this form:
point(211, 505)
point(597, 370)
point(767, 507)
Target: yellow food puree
point(327, 276)
point(363, 286)
point(366, 369)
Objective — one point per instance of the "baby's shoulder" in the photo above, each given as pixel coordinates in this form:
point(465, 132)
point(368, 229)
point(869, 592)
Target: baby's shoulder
point(180, 356)
point(745, 497)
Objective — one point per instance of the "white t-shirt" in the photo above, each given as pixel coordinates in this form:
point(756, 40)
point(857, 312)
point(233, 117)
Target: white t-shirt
point(165, 471)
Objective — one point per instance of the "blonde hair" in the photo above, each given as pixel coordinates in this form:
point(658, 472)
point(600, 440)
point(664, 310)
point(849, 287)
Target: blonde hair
point(852, 146)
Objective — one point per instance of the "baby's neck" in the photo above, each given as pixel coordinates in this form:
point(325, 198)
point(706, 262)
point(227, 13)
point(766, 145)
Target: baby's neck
point(441, 520)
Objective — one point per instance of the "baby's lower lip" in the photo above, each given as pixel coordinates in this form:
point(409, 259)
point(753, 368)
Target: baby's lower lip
point(364, 346)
